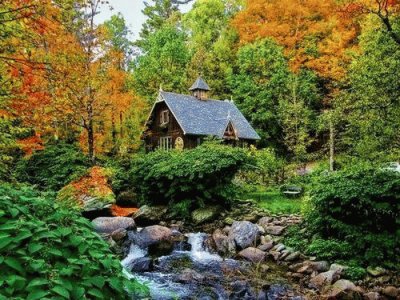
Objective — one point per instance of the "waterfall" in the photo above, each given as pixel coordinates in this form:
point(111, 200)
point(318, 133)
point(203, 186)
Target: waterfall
point(134, 252)
point(198, 250)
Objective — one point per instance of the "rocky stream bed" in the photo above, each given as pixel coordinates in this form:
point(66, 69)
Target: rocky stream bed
point(236, 256)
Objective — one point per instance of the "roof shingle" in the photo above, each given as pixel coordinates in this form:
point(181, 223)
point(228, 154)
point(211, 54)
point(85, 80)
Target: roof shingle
point(199, 84)
point(207, 117)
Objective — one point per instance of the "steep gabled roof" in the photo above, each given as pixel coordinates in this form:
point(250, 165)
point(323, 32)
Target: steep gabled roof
point(199, 84)
point(207, 117)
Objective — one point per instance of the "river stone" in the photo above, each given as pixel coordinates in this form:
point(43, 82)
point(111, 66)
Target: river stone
point(150, 215)
point(266, 247)
point(293, 256)
point(221, 241)
point(119, 234)
point(274, 230)
point(323, 279)
point(190, 276)
point(141, 264)
point(264, 222)
point(252, 254)
point(376, 272)
point(152, 235)
point(244, 233)
point(318, 266)
point(343, 290)
point(202, 215)
point(391, 291)
point(338, 268)
point(372, 296)
point(111, 224)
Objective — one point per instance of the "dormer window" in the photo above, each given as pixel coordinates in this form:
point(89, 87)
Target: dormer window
point(164, 117)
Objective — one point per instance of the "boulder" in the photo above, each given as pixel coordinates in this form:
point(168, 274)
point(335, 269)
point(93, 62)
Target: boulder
point(252, 254)
point(190, 276)
point(323, 279)
point(376, 272)
point(274, 230)
point(292, 256)
point(202, 215)
point(338, 268)
point(119, 235)
point(372, 296)
point(318, 266)
point(244, 233)
point(344, 290)
point(221, 241)
point(111, 224)
point(266, 247)
point(150, 215)
point(127, 198)
point(141, 264)
point(152, 235)
point(391, 291)
point(264, 222)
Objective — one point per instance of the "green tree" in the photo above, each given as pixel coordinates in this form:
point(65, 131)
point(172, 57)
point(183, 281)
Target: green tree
point(258, 82)
point(371, 104)
point(157, 13)
point(163, 63)
point(297, 113)
point(212, 42)
point(118, 37)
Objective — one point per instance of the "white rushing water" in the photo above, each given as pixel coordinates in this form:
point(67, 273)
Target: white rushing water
point(198, 250)
point(134, 252)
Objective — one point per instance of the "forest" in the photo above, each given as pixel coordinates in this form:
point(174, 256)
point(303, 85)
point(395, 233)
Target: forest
point(311, 210)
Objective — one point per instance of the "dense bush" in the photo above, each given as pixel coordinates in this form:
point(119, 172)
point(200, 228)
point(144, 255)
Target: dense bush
point(185, 179)
point(268, 168)
point(357, 211)
point(47, 252)
point(53, 167)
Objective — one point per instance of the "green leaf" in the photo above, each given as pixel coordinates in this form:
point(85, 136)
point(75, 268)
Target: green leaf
point(34, 247)
point(78, 293)
point(61, 291)
point(37, 282)
point(97, 293)
point(55, 252)
point(5, 241)
point(37, 294)
point(98, 281)
point(15, 264)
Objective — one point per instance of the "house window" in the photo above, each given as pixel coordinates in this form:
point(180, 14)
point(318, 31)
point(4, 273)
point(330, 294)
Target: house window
point(165, 143)
point(164, 117)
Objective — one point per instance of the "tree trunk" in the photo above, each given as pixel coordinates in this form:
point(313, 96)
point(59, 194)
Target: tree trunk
point(331, 146)
point(90, 131)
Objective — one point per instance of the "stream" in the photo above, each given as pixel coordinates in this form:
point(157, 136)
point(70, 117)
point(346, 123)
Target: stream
point(192, 271)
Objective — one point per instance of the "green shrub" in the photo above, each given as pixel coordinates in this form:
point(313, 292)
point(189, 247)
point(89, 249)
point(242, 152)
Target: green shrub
point(201, 175)
point(47, 252)
point(329, 249)
point(53, 167)
point(358, 206)
point(354, 271)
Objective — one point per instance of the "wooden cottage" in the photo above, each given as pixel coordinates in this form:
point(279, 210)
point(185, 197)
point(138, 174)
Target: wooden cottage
point(182, 121)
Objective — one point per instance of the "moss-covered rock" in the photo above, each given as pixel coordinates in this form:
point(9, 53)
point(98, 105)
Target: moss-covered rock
point(90, 192)
point(205, 214)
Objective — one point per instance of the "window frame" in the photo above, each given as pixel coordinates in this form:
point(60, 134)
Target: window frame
point(166, 143)
point(164, 117)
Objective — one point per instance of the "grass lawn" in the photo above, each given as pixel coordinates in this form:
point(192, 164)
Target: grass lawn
point(274, 201)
